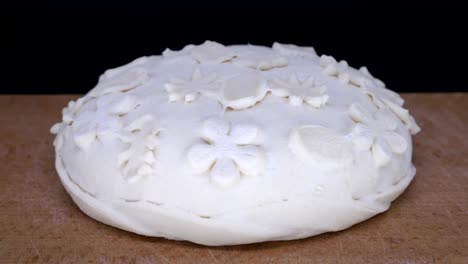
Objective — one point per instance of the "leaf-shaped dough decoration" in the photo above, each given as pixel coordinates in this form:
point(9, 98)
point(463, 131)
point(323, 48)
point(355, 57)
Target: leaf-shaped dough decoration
point(122, 82)
point(243, 91)
point(211, 52)
point(260, 61)
point(117, 104)
point(322, 145)
point(205, 53)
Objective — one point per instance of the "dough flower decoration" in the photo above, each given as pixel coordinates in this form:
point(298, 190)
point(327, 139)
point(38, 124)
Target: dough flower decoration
point(103, 120)
point(226, 153)
point(376, 132)
point(308, 91)
point(372, 87)
point(209, 52)
point(113, 81)
point(348, 75)
point(404, 116)
point(189, 90)
point(73, 107)
point(294, 50)
point(384, 98)
point(139, 158)
point(68, 115)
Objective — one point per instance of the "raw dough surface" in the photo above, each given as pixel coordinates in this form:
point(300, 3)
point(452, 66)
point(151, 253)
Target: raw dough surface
point(224, 145)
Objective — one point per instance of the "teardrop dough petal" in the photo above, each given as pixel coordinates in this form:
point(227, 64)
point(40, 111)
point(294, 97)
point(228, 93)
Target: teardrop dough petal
point(396, 142)
point(382, 153)
point(249, 159)
point(225, 173)
point(243, 134)
point(201, 157)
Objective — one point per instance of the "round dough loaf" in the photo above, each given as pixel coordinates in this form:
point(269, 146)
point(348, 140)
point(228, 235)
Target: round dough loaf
point(224, 145)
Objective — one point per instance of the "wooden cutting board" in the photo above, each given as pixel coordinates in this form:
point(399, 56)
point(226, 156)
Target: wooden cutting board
point(427, 224)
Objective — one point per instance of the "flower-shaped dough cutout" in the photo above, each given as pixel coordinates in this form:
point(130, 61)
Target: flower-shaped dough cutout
point(322, 145)
point(384, 98)
point(372, 87)
point(297, 91)
point(260, 61)
point(404, 115)
point(104, 121)
point(190, 90)
point(243, 90)
point(376, 90)
point(206, 53)
point(73, 107)
point(227, 153)
point(376, 132)
point(68, 116)
point(346, 74)
point(293, 50)
point(139, 159)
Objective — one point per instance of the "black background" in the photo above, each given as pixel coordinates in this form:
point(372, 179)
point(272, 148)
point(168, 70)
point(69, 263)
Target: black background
point(62, 47)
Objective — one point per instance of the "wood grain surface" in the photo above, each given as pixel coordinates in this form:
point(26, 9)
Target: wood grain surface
point(40, 223)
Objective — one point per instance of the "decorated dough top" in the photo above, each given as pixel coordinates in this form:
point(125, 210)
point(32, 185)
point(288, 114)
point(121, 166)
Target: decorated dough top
point(211, 130)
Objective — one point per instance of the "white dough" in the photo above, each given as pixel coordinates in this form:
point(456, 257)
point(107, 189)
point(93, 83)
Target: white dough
point(225, 145)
